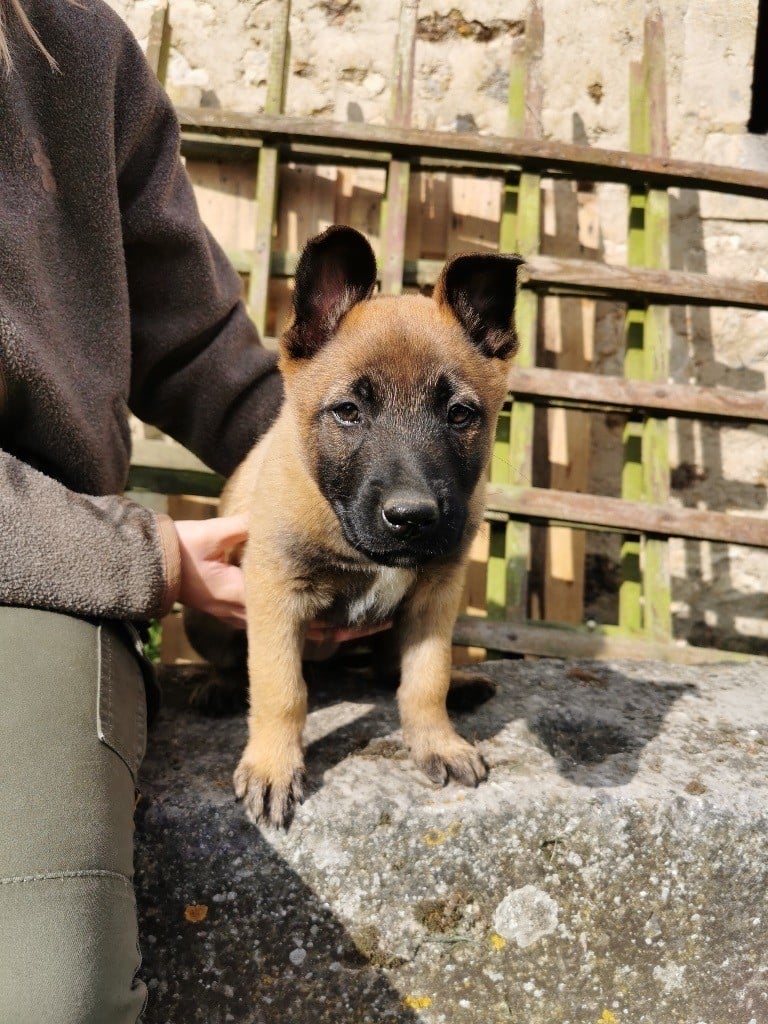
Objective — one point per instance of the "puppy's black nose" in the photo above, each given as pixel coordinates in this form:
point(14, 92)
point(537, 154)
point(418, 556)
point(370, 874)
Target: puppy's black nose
point(407, 514)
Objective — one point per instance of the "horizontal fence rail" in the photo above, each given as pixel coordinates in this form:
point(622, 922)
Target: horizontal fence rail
point(597, 393)
point(521, 638)
point(455, 151)
point(617, 515)
point(166, 468)
point(170, 469)
point(584, 278)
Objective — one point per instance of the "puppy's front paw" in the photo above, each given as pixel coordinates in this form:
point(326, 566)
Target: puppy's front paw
point(269, 792)
point(450, 757)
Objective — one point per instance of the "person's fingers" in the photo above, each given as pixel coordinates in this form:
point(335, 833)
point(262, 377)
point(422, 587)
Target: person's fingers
point(321, 632)
point(319, 650)
point(227, 584)
point(227, 530)
point(231, 616)
point(358, 632)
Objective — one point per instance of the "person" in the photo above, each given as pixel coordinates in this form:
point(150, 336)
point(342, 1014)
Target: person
point(113, 298)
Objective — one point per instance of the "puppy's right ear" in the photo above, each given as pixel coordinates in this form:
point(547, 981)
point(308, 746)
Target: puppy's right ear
point(336, 271)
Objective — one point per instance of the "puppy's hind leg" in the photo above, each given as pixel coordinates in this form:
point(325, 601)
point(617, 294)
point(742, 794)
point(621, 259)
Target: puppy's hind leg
point(223, 689)
point(469, 689)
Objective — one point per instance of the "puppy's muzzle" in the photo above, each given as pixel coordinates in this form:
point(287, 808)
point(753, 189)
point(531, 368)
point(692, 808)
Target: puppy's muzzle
point(408, 515)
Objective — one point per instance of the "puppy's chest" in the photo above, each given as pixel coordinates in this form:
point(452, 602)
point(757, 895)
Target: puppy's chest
point(368, 598)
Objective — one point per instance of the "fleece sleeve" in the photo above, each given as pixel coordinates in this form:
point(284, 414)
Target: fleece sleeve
point(126, 566)
point(199, 370)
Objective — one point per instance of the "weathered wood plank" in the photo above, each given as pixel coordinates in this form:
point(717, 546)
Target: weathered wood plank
point(570, 644)
point(268, 172)
point(159, 41)
point(631, 588)
point(394, 208)
point(557, 275)
point(617, 394)
point(173, 481)
point(520, 231)
point(457, 151)
point(571, 226)
point(166, 468)
point(588, 511)
point(165, 454)
point(657, 587)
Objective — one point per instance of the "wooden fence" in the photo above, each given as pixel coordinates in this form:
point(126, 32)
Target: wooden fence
point(643, 516)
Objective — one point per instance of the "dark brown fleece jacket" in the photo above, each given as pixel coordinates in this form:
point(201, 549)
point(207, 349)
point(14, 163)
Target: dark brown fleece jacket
point(113, 297)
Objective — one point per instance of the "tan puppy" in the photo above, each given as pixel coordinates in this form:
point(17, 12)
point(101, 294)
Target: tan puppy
point(365, 494)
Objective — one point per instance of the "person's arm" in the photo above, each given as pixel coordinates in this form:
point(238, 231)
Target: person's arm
point(107, 557)
point(104, 557)
point(199, 371)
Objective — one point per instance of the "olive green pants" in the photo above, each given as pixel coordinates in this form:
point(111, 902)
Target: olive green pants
point(72, 736)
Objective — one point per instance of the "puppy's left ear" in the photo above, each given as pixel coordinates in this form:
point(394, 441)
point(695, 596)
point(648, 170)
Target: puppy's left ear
point(480, 291)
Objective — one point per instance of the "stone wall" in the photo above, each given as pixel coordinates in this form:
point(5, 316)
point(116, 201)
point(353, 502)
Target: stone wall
point(341, 58)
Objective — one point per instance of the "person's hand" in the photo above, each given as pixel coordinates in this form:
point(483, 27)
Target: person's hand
point(208, 581)
point(211, 584)
point(322, 640)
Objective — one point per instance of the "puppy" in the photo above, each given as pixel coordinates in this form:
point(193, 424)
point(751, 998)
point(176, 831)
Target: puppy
point(364, 496)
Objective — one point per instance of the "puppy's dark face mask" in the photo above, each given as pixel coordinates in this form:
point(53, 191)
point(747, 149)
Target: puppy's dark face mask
point(399, 459)
point(397, 398)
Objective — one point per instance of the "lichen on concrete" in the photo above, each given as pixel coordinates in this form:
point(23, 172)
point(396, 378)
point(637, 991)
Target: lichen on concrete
point(526, 915)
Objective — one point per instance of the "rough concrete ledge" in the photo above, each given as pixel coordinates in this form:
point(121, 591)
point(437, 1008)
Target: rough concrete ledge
point(612, 869)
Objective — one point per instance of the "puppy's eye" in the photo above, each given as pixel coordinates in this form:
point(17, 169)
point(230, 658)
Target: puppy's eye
point(346, 413)
point(460, 415)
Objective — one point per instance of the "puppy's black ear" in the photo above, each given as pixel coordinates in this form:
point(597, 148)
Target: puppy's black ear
point(480, 290)
point(336, 270)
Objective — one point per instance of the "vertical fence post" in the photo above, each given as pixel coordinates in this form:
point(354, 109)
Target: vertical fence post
point(656, 483)
point(394, 207)
point(268, 172)
point(644, 600)
point(512, 461)
point(630, 592)
point(159, 41)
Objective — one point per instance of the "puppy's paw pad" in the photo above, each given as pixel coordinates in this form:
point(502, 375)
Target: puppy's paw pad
point(469, 690)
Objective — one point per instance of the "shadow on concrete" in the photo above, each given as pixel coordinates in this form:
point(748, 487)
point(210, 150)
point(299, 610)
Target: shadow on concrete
point(261, 947)
point(598, 746)
point(593, 720)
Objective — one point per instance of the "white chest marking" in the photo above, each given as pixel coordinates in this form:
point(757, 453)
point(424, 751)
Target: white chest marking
point(387, 589)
